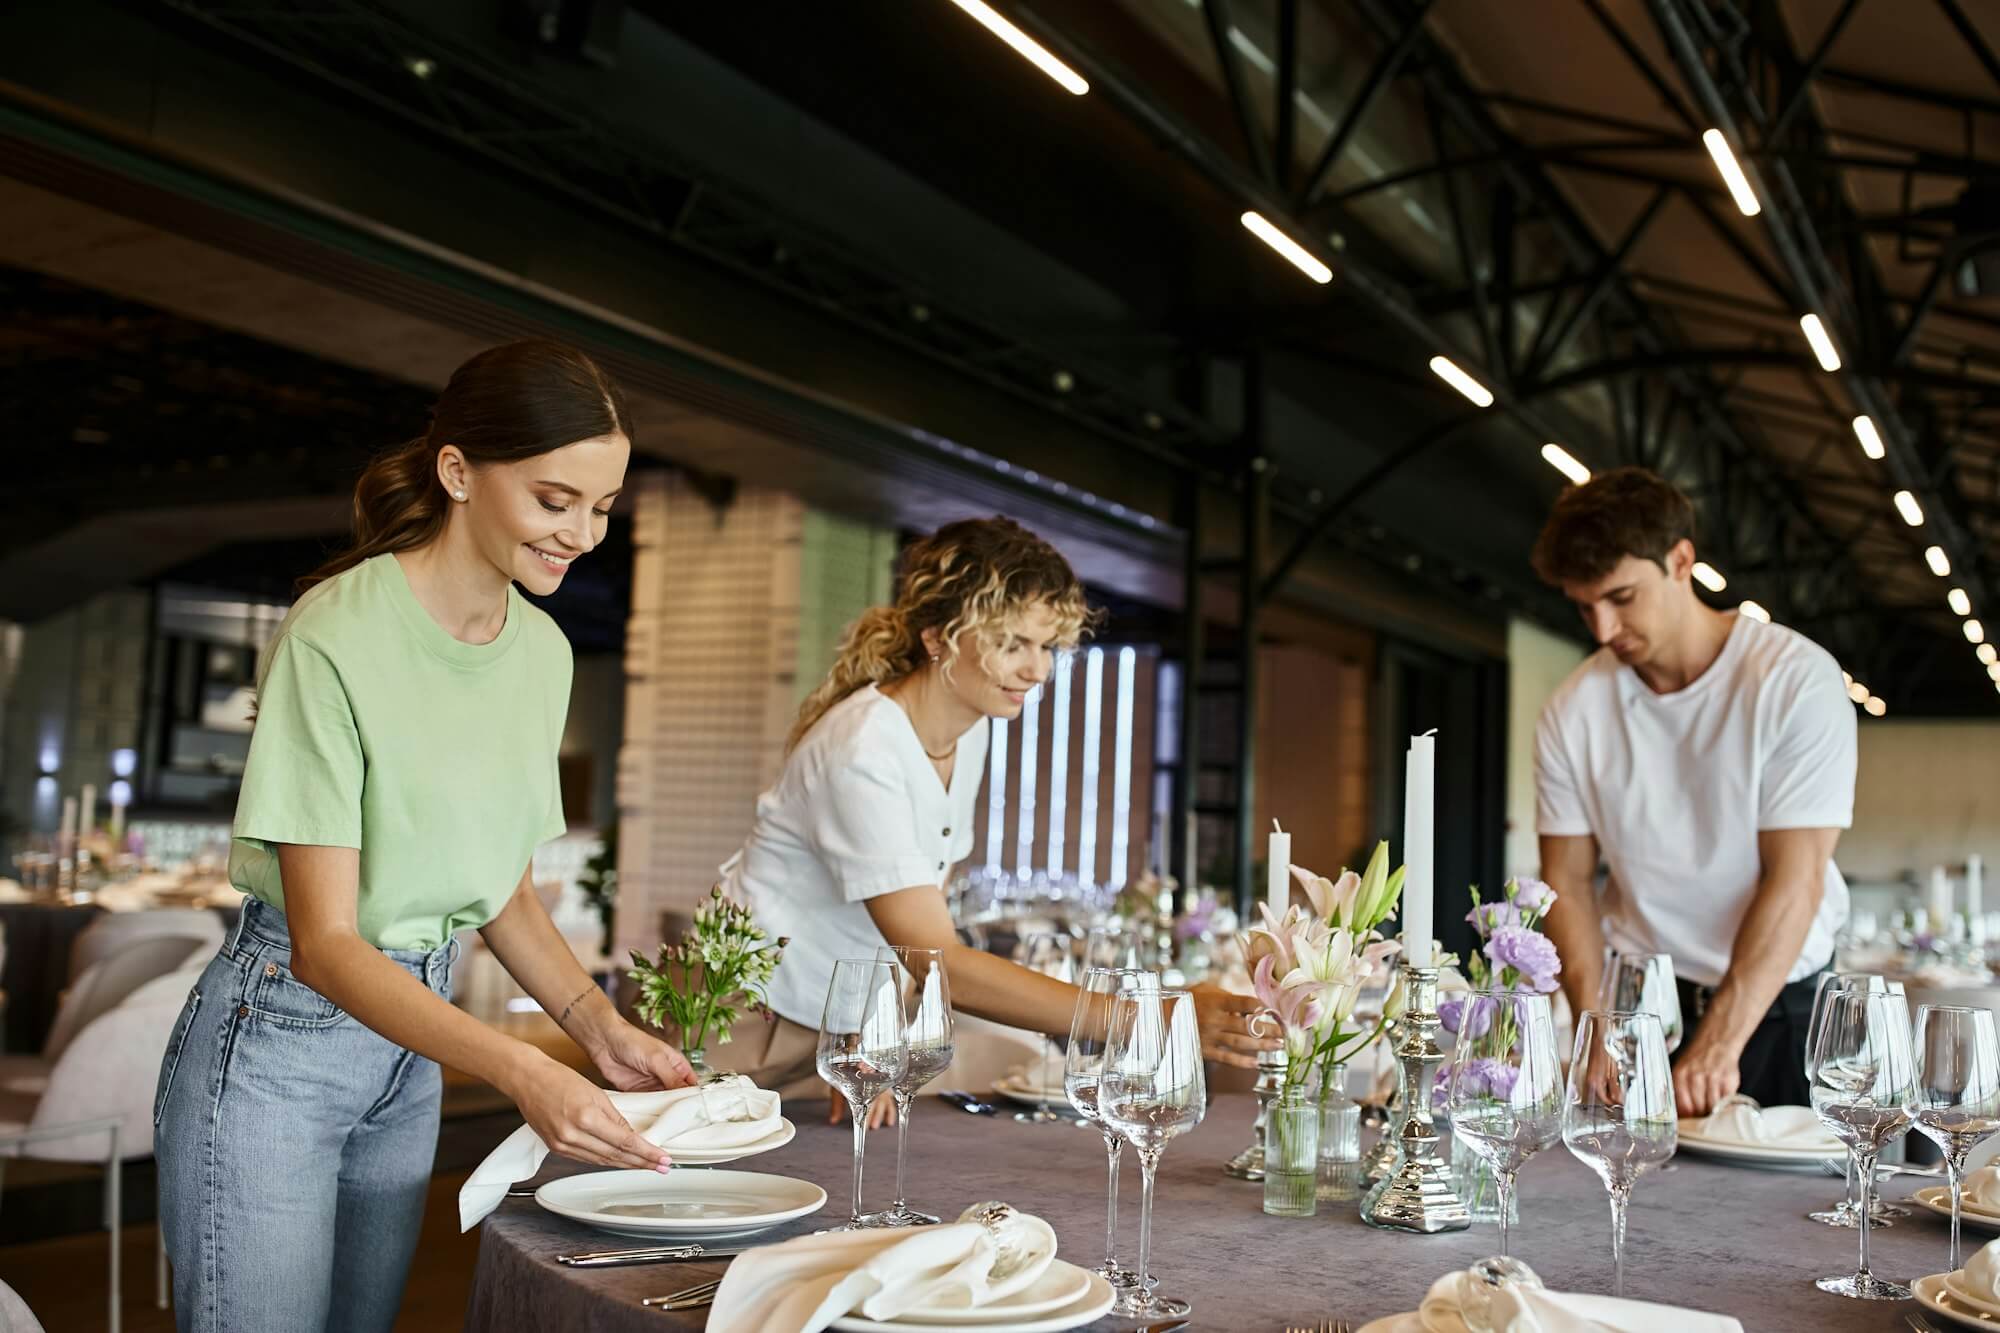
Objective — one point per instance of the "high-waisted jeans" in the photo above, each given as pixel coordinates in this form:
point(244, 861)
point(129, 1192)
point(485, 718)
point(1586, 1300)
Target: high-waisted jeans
point(294, 1146)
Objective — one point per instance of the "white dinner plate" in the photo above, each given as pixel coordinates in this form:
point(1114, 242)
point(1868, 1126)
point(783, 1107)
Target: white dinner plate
point(1059, 1285)
point(1937, 1198)
point(1691, 1132)
point(1021, 1092)
point(1931, 1294)
point(777, 1138)
point(1797, 1159)
point(1956, 1288)
point(1394, 1323)
point(1086, 1309)
point(683, 1205)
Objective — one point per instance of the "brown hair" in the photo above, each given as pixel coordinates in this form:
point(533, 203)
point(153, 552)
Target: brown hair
point(1627, 511)
point(970, 575)
point(510, 402)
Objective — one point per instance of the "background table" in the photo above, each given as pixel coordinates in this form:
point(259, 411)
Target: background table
point(1723, 1238)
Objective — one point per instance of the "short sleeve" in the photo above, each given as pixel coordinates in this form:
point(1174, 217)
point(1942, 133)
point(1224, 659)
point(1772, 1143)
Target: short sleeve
point(302, 782)
point(1559, 806)
point(863, 828)
point(1807, 779)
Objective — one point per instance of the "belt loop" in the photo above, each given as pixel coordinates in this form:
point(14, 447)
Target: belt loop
point(233, 943)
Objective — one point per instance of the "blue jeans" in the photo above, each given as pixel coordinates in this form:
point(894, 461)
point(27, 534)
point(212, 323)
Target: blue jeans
point(294, 1146)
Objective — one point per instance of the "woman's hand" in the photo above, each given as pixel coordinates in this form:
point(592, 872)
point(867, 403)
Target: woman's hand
point(634, 1061)
point(1230, 1034)
point(881, 1111)
point(574, 1117)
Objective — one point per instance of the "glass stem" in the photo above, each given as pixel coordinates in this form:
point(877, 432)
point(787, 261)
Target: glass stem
point(1504, 1182)
point(1148, 1163)
point(1620, 1196)
point(1850, 1180)
point(1042, 1077)
point(903, 1104)
point(1864, 1167)
point(1113, 1148)
point(859, 1111)
point(1954, 1169)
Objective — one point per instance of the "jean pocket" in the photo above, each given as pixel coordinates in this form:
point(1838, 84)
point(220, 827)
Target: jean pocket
point(172, 1063)
point(280, 997)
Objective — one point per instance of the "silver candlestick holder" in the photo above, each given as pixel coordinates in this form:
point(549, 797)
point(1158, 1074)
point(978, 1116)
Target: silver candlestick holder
point(1249, 1164)
point(1417, 1195)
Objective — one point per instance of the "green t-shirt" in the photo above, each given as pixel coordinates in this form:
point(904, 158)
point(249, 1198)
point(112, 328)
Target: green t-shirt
point(377, 729)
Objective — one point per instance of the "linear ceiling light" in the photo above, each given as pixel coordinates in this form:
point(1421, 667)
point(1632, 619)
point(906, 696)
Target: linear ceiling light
point(1871, 439)
point(1960, 604)
point(1907, 506)
point(1709, 577)
point(1025, 46)
point(1732, 173)
point(1974, 631)
point(1822, 344)
point(1563, 461)
point(1449, 372)
point(1262, 228)
point(1940, 563)
point(1989, 654)
point(1857, 691)
point(1992, 668)
point(1875, 706)
point(1755, 612)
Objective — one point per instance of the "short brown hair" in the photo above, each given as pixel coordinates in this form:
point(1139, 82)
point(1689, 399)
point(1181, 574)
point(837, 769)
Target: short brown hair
point(1627, 511)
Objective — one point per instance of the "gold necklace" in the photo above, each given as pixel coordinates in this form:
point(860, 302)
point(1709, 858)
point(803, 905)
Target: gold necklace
point(940, 758)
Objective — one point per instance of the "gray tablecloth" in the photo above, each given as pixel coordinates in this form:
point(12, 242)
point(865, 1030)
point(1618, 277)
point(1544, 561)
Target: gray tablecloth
point(1712, 1236)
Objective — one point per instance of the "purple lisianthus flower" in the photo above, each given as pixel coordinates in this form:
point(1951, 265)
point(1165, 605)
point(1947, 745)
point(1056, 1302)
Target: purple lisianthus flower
point(1532, 895)
point(1529, 953)
point(1491, 1077)
point(1489, 917)
point(1452, 1013)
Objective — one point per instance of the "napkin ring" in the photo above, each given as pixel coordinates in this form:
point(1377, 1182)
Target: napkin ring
point(1008, 1258)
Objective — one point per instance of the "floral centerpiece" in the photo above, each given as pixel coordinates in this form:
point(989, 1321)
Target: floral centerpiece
point(1308, 967)
point(701, 985)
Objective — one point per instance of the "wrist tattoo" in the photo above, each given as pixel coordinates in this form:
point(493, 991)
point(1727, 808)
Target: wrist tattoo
point(564, 1019)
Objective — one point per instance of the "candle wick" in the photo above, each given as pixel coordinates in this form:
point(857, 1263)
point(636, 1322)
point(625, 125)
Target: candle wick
point(1276, 827)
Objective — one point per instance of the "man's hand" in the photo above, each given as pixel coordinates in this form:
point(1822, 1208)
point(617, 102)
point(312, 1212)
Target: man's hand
point(881, 1111)
point(1230, 1033)
point(1704, 1074)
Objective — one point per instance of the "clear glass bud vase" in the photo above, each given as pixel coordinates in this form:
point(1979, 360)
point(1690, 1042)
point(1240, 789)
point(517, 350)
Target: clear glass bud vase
point(1291, 1155)
point(1339, 1139)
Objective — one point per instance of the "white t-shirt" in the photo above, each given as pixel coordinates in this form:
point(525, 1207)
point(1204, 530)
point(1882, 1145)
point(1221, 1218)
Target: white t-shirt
point(1676, 787)
point(857, 812)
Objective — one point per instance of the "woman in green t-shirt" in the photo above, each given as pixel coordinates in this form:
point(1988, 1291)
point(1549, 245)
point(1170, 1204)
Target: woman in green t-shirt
point(402, 771)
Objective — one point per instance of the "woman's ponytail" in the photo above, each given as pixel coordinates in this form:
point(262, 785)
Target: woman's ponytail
point(878, 647)
point(399, 505)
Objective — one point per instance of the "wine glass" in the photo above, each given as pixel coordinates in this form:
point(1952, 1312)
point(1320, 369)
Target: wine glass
point(862, 1049)
point(1958, 1088)
point(1506, 1098)
point(927, 1036)
point(1083, 1070)
point(1846, 1213)
point(1618, 1111)
point(1864, 1086)
point(1049, 953)
point(1643, 983)
point(1113, 946)
point(1150, 1090)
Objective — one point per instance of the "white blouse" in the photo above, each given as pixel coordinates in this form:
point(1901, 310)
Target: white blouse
point(858, 811)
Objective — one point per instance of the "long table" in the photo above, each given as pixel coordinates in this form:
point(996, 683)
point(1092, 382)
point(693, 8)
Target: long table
point(1707, 1235)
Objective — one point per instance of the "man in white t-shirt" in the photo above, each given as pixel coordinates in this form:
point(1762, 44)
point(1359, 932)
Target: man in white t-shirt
point(1707, 760)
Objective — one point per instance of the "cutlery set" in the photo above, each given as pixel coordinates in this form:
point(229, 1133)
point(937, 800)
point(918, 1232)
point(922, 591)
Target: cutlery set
point(649, 1254)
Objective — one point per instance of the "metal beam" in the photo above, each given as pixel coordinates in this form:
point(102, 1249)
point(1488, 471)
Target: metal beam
point(1287, 118)
point(1216, 14)
point(1608, 274)
point(1799, 94)
point(1256, 522)
point(1972, 38)
point(1380, 75)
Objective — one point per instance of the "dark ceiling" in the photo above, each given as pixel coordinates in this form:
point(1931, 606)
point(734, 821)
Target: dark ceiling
point(1530, 197)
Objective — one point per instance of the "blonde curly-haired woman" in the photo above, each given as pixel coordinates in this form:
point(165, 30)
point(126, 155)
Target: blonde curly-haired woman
point(874, 806)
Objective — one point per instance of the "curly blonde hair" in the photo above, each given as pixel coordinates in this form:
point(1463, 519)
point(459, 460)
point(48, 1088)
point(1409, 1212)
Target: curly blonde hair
point(972, 575)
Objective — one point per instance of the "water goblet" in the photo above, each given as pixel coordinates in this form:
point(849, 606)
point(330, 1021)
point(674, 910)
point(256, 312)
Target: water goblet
point(1151, 1090)
point(1864, 1086)
point(1958, 1089)
point(1506, 1091)
point(862, 1048)
point(1083, 1072)
point(1618, 1110)
point(928, 1037)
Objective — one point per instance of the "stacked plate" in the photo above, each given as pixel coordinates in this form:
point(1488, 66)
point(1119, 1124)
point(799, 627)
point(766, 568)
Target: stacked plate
point(1937, 1198)
point(1064, 1297)
point(777, 1138)
point(1798, 1152)
point(1035, 1083)
point(1949, 1295)
point(681, 1205)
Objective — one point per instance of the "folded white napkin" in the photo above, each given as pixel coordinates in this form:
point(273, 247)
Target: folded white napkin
point(1455, 1301)
point(1044, 1074)
point(804, 1284)
point(1981, 1274)
point(1740, 1118)
point(1981, 1190)
point(727, 1113)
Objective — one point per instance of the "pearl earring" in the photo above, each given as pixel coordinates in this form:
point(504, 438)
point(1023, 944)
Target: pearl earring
point(458, 495)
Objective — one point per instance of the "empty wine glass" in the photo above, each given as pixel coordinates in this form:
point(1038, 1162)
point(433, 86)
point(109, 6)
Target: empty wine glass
point(1958, 1089)
point(1864, 1086)
point(1643, 983)
point(1150, 1090)
point(1113, 946)
point(1506, 1098)
point(1618, 1111)
point(1049, 953)
point(1083, 1070)
point(927, 1037)
point(862, 1048)
point(1847, 1212)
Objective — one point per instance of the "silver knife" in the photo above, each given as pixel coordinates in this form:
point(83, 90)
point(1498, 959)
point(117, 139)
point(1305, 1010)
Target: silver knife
point(652, 1254)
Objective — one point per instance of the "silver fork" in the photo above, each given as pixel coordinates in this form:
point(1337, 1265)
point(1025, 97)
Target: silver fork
point(700, 1294)
point(1921, 1324)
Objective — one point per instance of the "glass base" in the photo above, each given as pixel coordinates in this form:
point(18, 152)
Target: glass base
point(904, 1216)
point(1134, 1304)
point(1121, 1279)
point(852, 1224)
point(1864, 1288)
point(1849, 1217)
